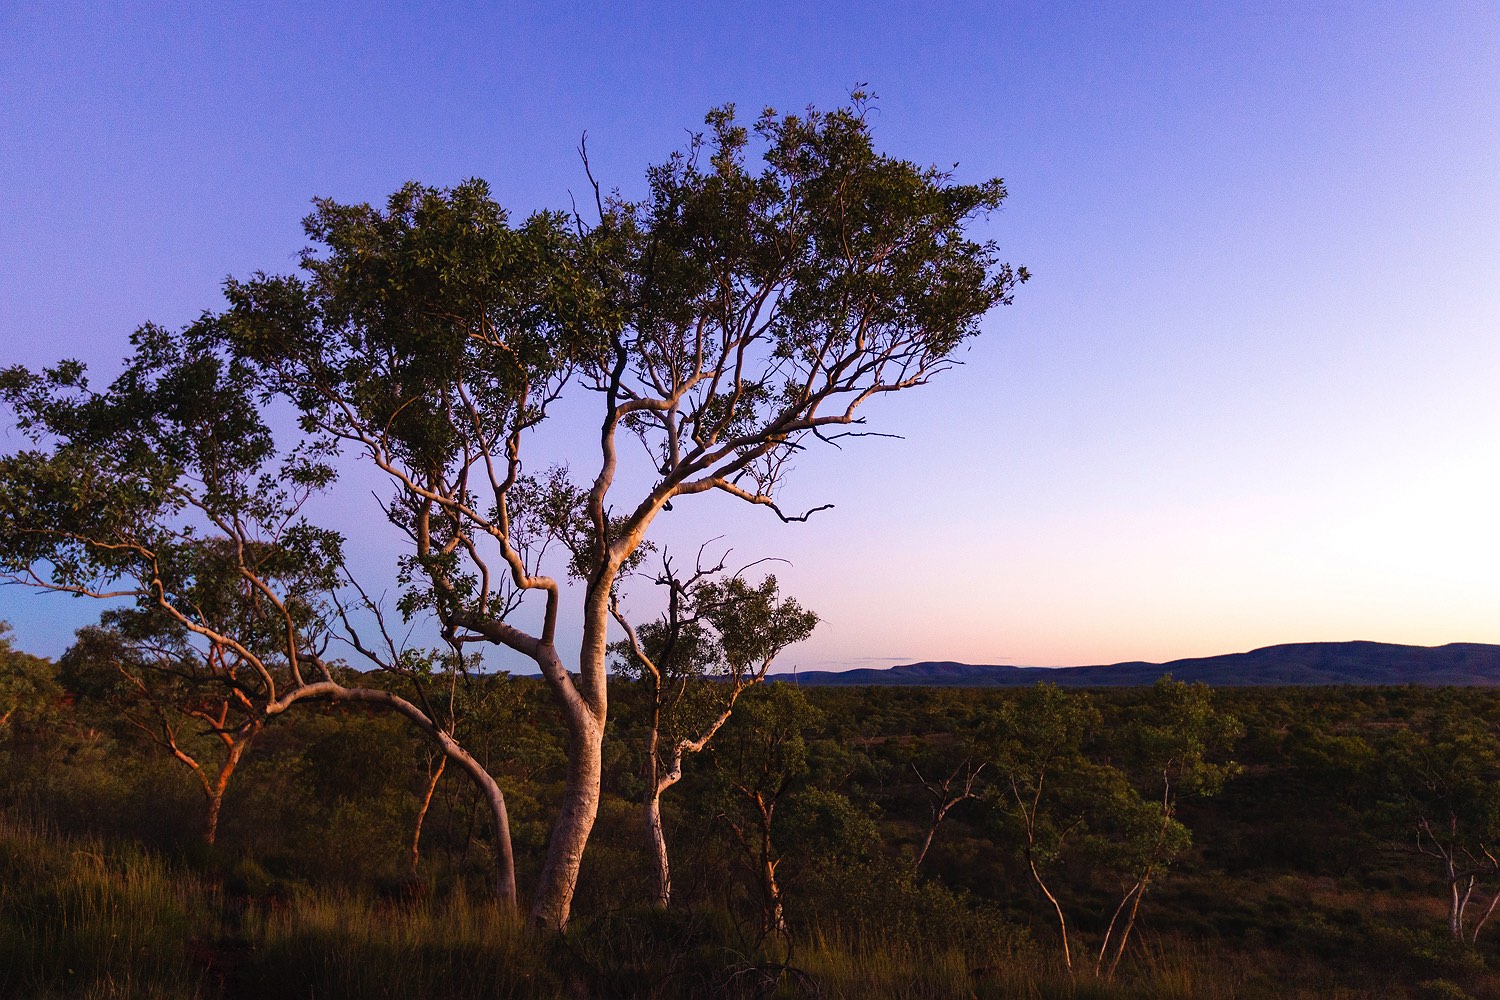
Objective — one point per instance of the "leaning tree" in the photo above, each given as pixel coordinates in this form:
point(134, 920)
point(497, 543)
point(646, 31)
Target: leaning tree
point(770, 282)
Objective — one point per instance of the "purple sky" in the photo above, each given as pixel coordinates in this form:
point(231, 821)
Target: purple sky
point(1249, 396)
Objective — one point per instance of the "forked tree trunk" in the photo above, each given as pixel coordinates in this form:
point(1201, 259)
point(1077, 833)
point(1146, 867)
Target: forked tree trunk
point(774, 921)
point(775, 915)
point(215, 792)
point(583, 707)
point(1139, 893)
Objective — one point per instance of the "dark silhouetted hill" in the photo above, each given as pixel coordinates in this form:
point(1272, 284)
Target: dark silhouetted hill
point(1462, 664)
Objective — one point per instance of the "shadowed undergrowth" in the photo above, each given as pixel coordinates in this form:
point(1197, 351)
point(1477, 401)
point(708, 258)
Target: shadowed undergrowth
point(82, 918)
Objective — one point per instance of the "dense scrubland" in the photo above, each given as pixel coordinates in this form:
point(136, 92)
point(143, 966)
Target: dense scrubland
point(903, 842)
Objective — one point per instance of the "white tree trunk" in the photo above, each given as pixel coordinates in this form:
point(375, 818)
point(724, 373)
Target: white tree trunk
point(658, 840)
point(575, 820)
point(584, 708)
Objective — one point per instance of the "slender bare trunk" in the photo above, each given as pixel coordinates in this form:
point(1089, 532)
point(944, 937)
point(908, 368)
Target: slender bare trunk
point(1455, 905)
point(658, 840)
point(1135, 908)
point(220, 786)
point(926, 843)
point(1110, 930)
point(505, 862)
point(1479, 925)
point(416, 834)
point(656, 783)
point(775, 918)
point(1062, 921)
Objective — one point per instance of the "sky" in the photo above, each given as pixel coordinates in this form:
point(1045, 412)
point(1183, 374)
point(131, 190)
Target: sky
point(1248, 397)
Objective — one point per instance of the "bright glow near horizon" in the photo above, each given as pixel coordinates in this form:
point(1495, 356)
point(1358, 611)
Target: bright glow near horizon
point(1249, 397)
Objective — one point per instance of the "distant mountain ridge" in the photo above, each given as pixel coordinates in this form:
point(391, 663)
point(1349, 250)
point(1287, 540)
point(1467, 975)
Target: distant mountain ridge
point(1458, 664)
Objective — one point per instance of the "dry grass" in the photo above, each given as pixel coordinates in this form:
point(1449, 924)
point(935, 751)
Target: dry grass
point(81, 919)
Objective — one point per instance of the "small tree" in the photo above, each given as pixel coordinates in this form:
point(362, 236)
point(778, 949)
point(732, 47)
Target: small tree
point(715, 640)
point(1178, 747)
point(1047, 785)
point(1443, 793)
point(184, 700)
point(767, 803)
point(1069, 800)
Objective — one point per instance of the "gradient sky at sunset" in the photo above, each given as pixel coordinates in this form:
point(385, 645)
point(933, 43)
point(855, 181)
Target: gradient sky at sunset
point(1249, 397)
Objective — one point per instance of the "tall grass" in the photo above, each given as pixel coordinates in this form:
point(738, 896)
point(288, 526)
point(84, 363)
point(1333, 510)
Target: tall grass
point(334, 944)
point(910, 969)
point(84, 919)
point(79, 917)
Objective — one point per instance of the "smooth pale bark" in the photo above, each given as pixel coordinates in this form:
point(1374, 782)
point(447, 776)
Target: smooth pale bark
point(1462, 879)
point(775, 915)
point(1489, 911)
point(662, 775)
point(656, 783)
point(575, 821)
point(1028, 813)
point(1456, 904)
point(775, 918)
point(1135, 908)
point(1137, 892)
point(584, 712)
point(1062, 921)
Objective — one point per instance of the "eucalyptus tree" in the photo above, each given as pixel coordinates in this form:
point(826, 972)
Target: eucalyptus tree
point(1442, 796)
point(1177, 746)
point(716, 639)
point(169, 492)
point(736, 314)
point(1082, 804)
point(1046, 785)
point(189, 701)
